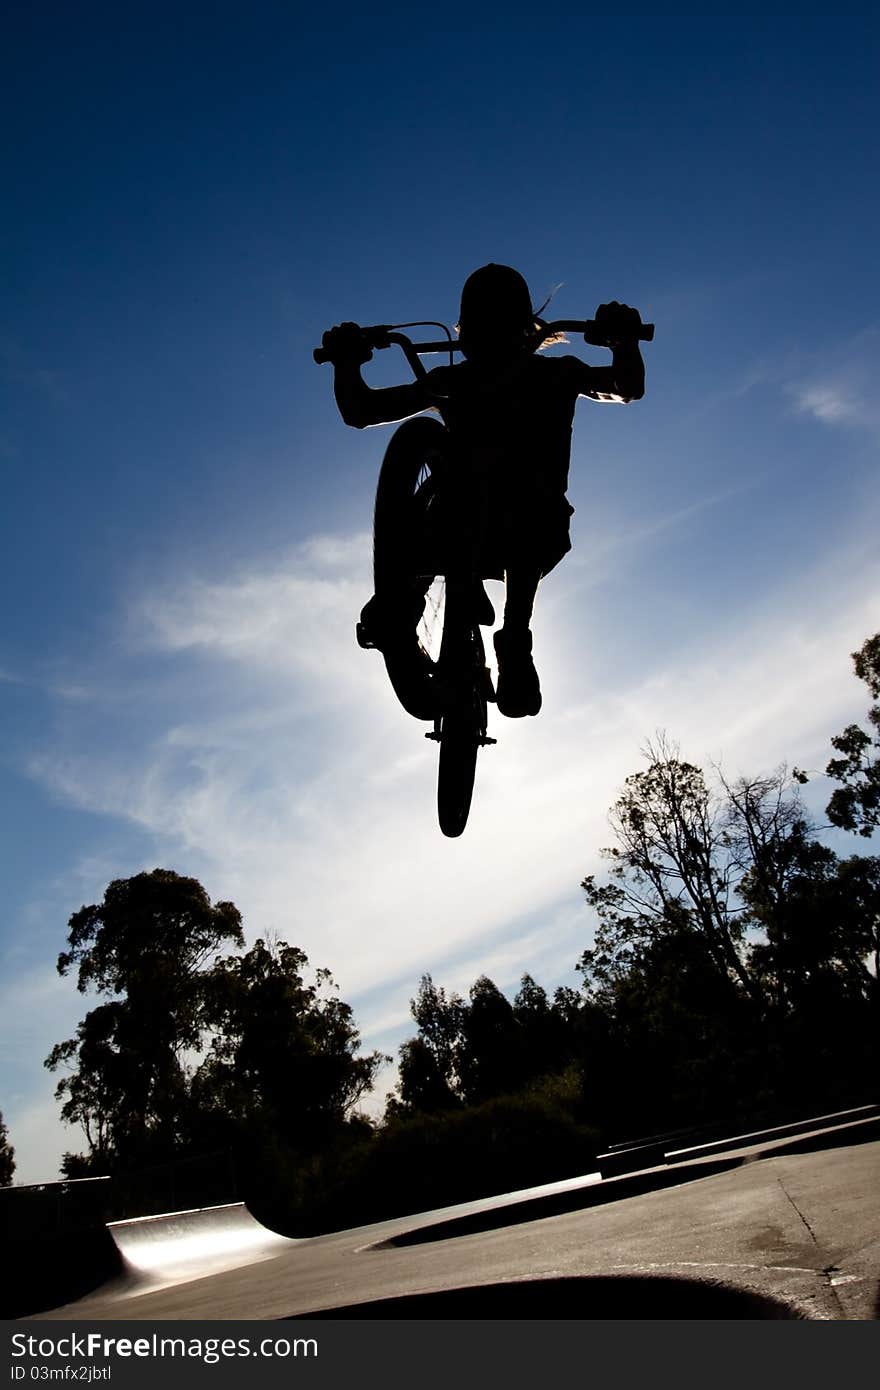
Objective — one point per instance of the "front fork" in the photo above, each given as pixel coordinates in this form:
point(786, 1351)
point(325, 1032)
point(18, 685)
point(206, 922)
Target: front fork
point(471, 683)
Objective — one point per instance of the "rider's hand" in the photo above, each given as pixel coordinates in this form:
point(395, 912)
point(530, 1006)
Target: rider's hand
point(618, 323)
point(345, 343)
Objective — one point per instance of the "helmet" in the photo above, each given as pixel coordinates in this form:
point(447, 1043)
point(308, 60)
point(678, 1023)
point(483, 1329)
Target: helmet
point(495, 300)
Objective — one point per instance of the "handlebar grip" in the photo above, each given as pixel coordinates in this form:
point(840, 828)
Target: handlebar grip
point(594, 335)
point(374, 337)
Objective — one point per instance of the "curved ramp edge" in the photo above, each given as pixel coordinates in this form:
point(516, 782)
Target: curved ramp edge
point(180, 1246)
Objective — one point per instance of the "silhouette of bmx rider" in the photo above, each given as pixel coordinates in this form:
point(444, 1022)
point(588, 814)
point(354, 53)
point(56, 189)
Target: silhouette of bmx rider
point(511, 411)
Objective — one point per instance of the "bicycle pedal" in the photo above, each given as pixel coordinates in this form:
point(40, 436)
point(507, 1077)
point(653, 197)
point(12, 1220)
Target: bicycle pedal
point(486, 740)
point(434, 737)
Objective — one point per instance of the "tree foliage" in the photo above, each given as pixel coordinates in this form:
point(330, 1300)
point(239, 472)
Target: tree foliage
point(146, 945)
point(429, 1079)
point(7, 1155)
point(152, 934)
point(283, 1050)
point(194, 1048)
point(681, 854)
point(855, 805)
point(469, 1052)
point(735, 955)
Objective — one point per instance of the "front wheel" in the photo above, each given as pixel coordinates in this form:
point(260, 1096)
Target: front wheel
point(459, 741)
point(463, 723)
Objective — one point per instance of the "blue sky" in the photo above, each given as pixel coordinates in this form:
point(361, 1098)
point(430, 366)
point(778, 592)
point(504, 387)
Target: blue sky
point(196, 194)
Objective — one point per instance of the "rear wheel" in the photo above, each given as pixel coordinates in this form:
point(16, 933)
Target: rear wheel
point(406, 529)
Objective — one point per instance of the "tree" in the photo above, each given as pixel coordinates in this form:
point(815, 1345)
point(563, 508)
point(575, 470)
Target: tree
point(858, 902)
point(422, 1087)
point(283, 1053)
point(823, 941)
point(735, 954)
point(154, 931)
point(678, 1036)
point(147, 943)
point(429, 1079)
point(672, 870)
point(548, 1041)
point(855, 806)
point(469, 1052)
point(772, 843)
point(490, 1056)
point(440, 1020)
point(97, 1095)
point(7, 1156)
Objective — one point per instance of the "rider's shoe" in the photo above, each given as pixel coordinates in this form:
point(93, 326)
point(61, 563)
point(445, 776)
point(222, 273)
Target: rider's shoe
point(367, 629)
point(381, 621)
point(518, 689)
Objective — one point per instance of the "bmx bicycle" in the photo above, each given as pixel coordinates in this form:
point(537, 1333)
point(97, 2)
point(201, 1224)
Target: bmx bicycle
point(426, 548)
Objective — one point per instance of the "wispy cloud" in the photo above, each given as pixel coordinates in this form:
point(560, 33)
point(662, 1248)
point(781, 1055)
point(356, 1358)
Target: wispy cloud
point(843, 389)
point(295, 618)
point(833, 403)
point(837, 386)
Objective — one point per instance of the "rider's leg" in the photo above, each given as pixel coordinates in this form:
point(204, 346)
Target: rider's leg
point(519, 690)
point(521, 587)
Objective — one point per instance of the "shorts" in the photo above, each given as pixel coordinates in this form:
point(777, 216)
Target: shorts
point(523, 523)
point(533, 531)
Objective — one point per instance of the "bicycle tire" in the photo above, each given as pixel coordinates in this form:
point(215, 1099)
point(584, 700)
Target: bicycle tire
point(456, 772)
point(463, 722)
point(406, 490)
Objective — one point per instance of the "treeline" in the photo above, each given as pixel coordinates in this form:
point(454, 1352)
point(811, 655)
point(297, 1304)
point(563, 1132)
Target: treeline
point(733, 976)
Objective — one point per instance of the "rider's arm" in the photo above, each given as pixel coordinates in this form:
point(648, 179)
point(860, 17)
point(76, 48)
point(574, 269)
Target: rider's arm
point(622, 382)
point(361, 405)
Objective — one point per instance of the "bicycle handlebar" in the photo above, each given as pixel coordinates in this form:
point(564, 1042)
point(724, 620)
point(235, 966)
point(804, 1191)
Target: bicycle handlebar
point(381, 336)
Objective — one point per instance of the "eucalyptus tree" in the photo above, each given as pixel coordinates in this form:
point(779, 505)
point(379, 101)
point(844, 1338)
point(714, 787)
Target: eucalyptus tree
point(855, 805)
point(7, 1156)
point(674, 867)
point(145, 947)
point(284, 1048)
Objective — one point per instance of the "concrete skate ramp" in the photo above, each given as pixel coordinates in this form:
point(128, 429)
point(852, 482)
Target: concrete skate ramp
point(797, 1229)
point(183, 1245)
